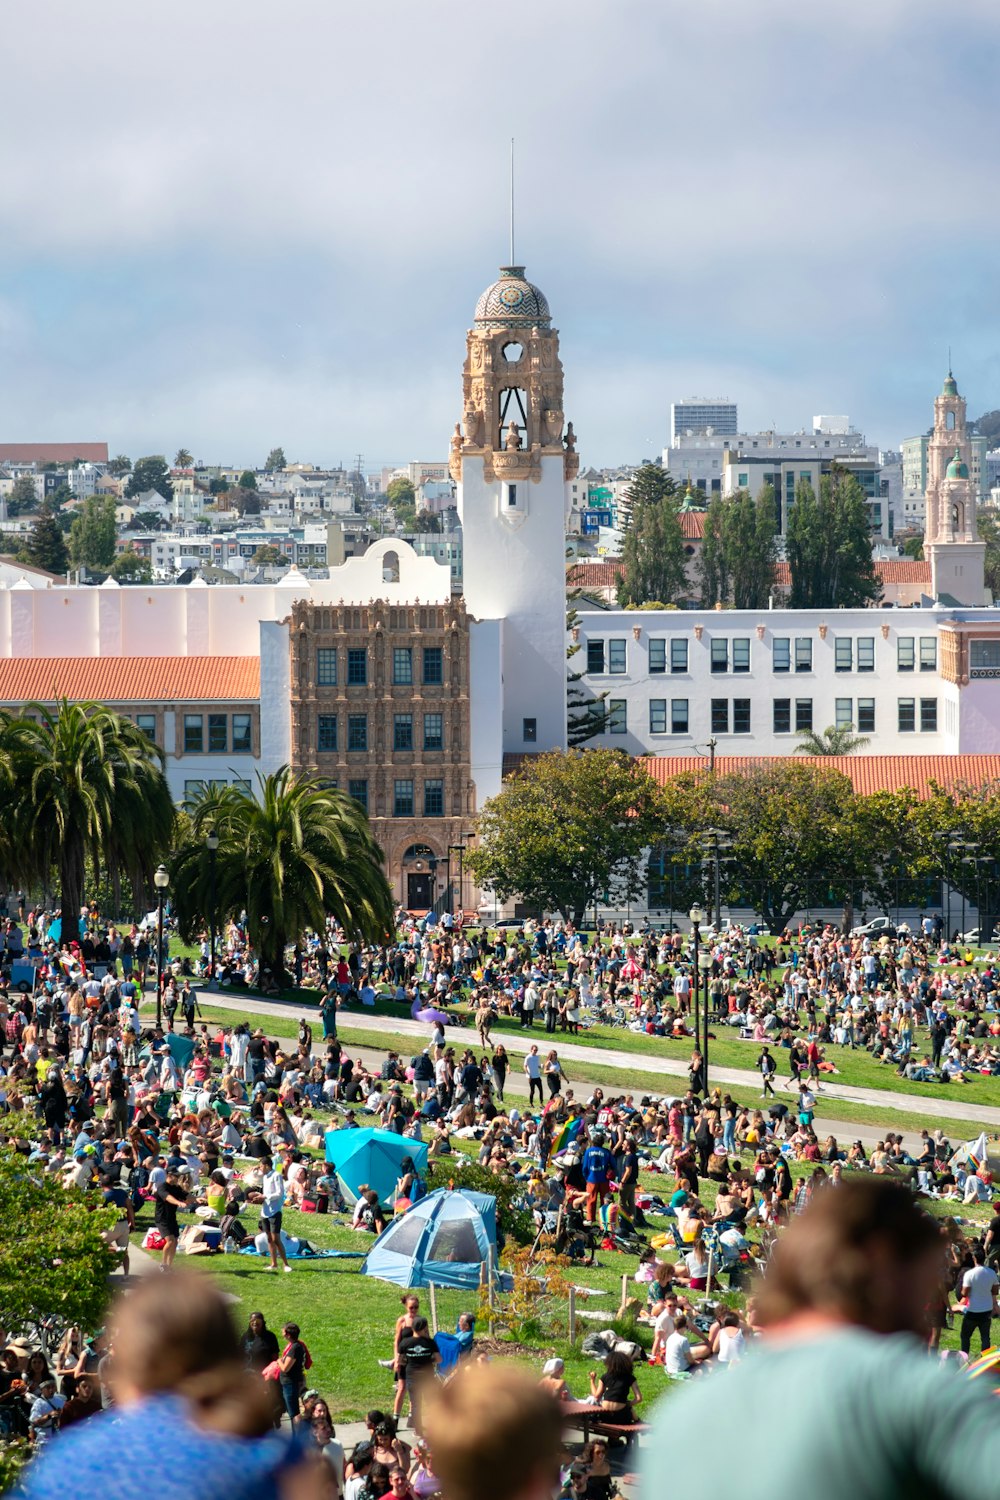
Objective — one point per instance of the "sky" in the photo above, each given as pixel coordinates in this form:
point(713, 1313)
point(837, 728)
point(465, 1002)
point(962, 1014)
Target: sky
point(228, 225)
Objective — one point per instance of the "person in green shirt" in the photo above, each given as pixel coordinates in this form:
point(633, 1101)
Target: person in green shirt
point(869, 1414)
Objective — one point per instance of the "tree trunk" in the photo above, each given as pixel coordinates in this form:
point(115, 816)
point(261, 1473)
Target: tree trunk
point(71, 875)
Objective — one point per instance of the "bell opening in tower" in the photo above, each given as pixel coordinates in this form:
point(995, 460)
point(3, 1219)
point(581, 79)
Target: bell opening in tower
point(512, 412)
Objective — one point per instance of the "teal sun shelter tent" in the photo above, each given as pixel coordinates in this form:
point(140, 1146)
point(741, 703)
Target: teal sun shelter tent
point(372, 1157)
point(446, 1238)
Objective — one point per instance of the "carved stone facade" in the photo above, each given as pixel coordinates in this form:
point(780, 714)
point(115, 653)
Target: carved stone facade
point(380, 708)
point(512, 387)
point(951, 539)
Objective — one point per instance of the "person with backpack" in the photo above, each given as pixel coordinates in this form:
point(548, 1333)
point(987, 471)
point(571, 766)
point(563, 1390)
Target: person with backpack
point(292, 1366)
point(598, 1165)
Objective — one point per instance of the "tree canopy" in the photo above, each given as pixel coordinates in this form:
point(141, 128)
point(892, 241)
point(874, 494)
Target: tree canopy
point(653, 557)
point(400, 492)
point(119, 466)
point(93, 533)
point(828, 546)
point(46, 547)
point(150, 473)
point(275, 460)
point(23, 496)
point(739, 550)
point(586, 712)
point(568, 827)
point(132, 567)
point(835, 740)
point(248, 480)
point(183, 459)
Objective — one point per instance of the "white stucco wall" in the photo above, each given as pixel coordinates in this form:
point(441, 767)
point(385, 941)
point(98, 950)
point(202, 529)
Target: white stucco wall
point(486, 706)
point(275, 697)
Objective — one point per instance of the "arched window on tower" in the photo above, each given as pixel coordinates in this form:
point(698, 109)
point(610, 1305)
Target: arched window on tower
point(390, 567)
point(949, 421)
point(512, 418)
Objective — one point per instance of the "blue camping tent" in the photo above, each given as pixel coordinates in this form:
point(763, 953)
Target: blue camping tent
point(372, 1157)
point(445, 1238)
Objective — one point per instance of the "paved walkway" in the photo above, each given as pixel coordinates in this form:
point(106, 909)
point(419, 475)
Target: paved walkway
point(519, 1042)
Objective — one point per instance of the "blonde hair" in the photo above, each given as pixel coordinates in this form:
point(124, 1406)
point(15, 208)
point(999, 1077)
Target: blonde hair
point(174, 1334)
point(493, 1432)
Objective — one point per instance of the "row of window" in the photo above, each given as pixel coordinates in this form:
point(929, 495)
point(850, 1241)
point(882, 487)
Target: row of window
point(357, 666)
point(226, 732)
point(732, 654)
point(732, 716)
point(328, 732)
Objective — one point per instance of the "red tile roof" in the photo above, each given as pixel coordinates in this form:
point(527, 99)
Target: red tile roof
point(129, 679)
point(53, 453)
point(891, 570)
point(594, 575)
point(692, 525)
point(868, 773)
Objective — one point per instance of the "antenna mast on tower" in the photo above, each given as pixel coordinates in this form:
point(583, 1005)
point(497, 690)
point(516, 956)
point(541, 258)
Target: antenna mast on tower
point(512, 200)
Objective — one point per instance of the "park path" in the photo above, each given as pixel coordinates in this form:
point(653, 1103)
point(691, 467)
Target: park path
point(520, 1042)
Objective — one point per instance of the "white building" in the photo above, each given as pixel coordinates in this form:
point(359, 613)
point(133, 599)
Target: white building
point(702, 415)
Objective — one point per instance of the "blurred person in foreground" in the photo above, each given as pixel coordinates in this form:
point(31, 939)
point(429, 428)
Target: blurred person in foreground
point(190, 1421)
point(844, 1310)
point(494, 1435)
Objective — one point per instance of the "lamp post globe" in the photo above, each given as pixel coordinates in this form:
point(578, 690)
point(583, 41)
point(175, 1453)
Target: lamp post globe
point(161, 881)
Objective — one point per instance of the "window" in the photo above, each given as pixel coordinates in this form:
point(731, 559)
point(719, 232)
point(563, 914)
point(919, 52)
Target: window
point(147, 723)
point(658, 656)
point(928, 653)
point(741, 653)
point(928, 715)
point(242, 785)
point(907, 718)
point(678, 656)
point(743, 481)
point(433, 732)
point(843, 654)
point(866, 715)
point(595, 658)
point(843, 713)
point(357, 731)
point(402, 799)
point(984, 656)
point(193, 788)
point(720, 715)
point(617, 716)
point(616, 656)
point(402, 731)
point(402, 664)
point(904, 653)
point(720, 654)
point(512, 494)
point(194, 735)
point(782, 715)
point(433, 665)
point(679, 716)
point(218, 733)
point(803, 653)
point(529, 728)
point(359, 791)
point(781, 654)
point(242, 739)
point(326, 732)
point(866, 653)
point(657, 715)
point(357, 666)
point(326, 666)
point(433, 799)
point(741, 715)
point(803, 713)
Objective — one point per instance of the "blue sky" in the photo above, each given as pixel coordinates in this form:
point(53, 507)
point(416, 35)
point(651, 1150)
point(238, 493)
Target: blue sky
point(229, 224)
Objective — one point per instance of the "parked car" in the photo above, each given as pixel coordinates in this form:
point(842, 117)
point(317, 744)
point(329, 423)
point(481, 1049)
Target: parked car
point(974, 939)
point(877, 927)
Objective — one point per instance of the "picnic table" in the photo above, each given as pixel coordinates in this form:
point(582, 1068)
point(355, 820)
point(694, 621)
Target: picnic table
point(590, 1418)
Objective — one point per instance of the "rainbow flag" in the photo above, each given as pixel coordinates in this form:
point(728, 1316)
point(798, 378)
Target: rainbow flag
point(567, 1135)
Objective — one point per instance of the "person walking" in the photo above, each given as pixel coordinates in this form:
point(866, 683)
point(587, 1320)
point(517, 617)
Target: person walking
point(767, 1067)
point(533, 1073)
point(979, 1294)
point(273, 1189)
point(498, 1066)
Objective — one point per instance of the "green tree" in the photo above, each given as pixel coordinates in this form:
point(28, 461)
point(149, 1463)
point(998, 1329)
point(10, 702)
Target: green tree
point(836, 740)
point(23, 497)
point(93, 533)
point(400, 492)
point(46, 546)
point(132, 567)
point(120, 466)
point(828, 546)
point(59, 497)
point(275, 460)
point(292, 855)
point(146, 520)
point(218, 485)
point(586, 714)
point(653, 557)
point(751, 547)
point(267, 556)
point(54, 1261)
point(607, 816)
point(914, 547)
point(183, 459)
point(427, 521)
point(989, 532)
point(248, 480)
point(83, 783)
point(713, 561)
point(150, 473)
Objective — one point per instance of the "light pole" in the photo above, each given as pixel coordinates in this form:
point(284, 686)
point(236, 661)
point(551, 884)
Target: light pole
point(212, 845)
point(706, 963)
point(697, 917)
point(161, 880)
point(466, 841)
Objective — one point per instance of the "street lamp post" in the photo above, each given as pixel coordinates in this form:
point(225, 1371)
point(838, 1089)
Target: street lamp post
point(706, 964)
point(161, 880)
point(697, 917)
point(212, 845)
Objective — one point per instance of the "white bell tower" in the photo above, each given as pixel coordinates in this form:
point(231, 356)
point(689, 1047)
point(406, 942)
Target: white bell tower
point(951, 539)
point(511, 460)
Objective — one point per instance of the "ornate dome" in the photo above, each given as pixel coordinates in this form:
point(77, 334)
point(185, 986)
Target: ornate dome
point(957, 469)
point(512, 302)
point(950, 385)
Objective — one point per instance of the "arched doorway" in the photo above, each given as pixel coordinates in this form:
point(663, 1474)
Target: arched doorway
point(419, 865)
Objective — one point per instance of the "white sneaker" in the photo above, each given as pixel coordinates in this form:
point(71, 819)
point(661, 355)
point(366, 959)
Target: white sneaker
point(270, 1268)
point(288, 1270)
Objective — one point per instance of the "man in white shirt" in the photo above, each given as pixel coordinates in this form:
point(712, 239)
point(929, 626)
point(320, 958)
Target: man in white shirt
point(678, 1354)
point(273, 1189)
point(979, 1289)
point(533, 1073)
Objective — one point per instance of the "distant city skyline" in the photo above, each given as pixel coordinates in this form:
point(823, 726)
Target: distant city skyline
point(271, 227)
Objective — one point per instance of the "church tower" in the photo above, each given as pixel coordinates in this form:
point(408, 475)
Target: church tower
point(511, 458)
point(951, 540)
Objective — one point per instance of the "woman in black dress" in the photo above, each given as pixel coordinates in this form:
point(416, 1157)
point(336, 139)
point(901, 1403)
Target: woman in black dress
point(260, 1343)
point(169, 1198)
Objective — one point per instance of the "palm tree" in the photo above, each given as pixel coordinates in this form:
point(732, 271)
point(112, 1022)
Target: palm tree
point(832, 741)
point(298, 852)
point(182, 459)
point(82, 782)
